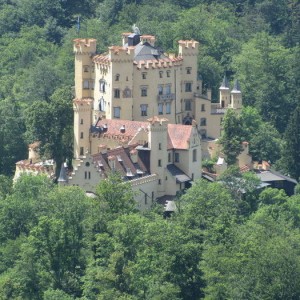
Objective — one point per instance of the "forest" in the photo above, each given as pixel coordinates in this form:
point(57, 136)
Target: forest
point(56, 243)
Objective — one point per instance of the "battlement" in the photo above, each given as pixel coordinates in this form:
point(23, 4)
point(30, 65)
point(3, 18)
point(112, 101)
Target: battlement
point(156, 121)
point(120, 52)
point(148, 39)
point(188, 47)
point(83, 103)
point(84, 46)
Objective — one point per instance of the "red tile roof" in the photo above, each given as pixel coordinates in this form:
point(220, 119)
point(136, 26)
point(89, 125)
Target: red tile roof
point(179, 136)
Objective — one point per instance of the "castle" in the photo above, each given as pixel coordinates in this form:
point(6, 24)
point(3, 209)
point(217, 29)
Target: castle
point(143, 113)
point(137, 80)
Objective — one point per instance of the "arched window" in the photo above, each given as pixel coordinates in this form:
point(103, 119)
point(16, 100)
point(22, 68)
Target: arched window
point(101, 104)
point(194, 155)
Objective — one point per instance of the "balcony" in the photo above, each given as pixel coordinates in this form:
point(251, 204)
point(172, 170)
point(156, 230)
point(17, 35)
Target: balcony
point(216, 109)
point(166, 97)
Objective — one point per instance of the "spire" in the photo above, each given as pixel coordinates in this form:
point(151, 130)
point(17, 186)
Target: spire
point(236, 87)
point(225, 83)
point(62, 175)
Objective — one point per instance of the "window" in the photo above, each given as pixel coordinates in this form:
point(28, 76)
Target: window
point(203, 133)
point(81, 135)
point(117, 77)
point(188, 105)
point(188, 70)
point(144, 75)
point(160, 108)
point(159, 162)
point(101, 104)
point(143, 91)
point(85, 175)
point(177, 157)
point(102, 85)
point(203, 122)
point(159, 146)
point(87, 164)
point(117, 93)
point(127, 93)
point(169, 157)
point(168, 108)
point(144, 109)
point(168, 73)
point(194, 155)
point(86, 84)
point(188, 86)
point(168, 89)
point(81, 121)
point(202, 107)
point(89, 175)
point(160, 90)
point(81, 151)
point(92, 84)
point(160, 74)
point(117, 112)
point(159, 181)
point(85, 69)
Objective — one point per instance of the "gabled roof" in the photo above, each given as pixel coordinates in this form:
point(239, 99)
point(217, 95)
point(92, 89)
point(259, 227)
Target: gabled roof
point(113, 127)
point(179, 136)
point(122, 161)
point(271, 175)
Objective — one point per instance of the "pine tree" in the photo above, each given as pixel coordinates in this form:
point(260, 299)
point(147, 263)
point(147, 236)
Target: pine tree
point(291, 155)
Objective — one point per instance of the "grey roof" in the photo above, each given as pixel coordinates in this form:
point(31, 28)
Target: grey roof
point(147, 52)
point(177, 173)
point(225, 83)
point(63, 174)
point(271, 175)
point(236, 87)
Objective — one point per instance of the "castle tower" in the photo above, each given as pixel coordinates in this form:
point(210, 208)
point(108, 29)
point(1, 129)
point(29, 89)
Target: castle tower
point(121, 87)
point(158, 142)
point(82, 122)
point(84, 49)
point(224, 93)
point(236, 96)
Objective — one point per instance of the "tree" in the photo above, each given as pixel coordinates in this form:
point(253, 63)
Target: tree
point(12, 145)
point(291, 153)
point(258, 262)
point(232, 136)
point(51, 125)
point(115, 196)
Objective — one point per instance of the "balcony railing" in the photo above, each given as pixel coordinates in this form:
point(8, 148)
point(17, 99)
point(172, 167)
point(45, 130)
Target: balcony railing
point(166, 97)
point(217, 109)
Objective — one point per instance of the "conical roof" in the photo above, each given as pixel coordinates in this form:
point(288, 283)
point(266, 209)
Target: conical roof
point(63, 174)
point(236, 87)
point(225, 83)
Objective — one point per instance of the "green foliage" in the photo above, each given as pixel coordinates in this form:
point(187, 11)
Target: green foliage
point(232, 136)
point(115, 196)
point(291, 153)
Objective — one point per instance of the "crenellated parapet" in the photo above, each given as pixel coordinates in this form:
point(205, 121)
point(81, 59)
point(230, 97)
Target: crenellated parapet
point(188, 47)
point(121, 54)
point(83, 104)
point(84, 46)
